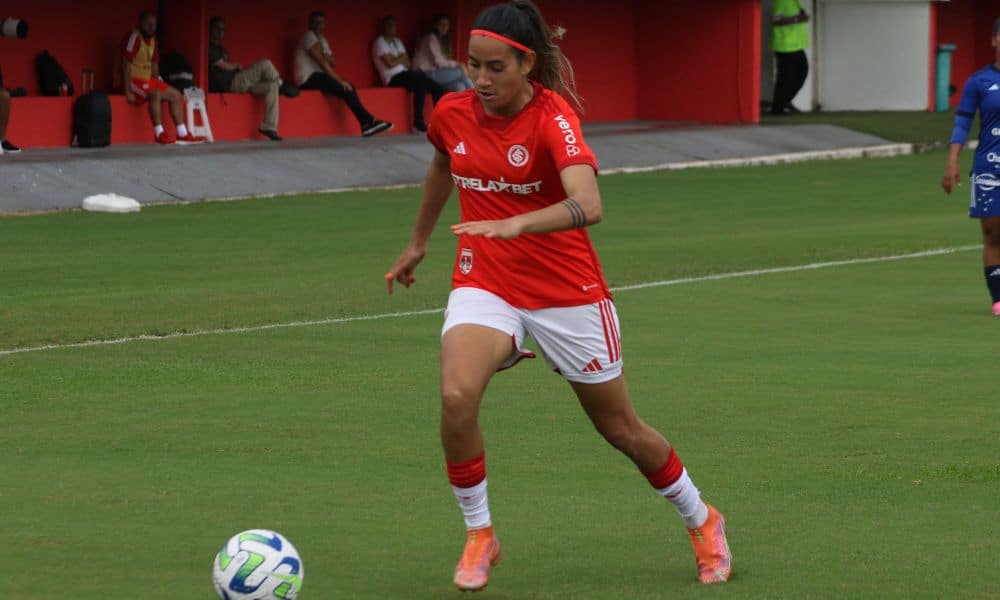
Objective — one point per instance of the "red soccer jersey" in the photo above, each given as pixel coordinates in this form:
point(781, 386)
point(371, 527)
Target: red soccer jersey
point(508, 166)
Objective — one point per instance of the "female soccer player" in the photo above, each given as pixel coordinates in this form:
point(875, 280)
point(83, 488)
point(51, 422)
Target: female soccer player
point(525, 266)
point(982, 92)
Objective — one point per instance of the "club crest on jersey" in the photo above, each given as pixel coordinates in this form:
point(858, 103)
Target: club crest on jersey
point(518, 155)
point(465, 261)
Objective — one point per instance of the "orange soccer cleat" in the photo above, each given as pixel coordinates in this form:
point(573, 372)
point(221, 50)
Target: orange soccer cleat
point(482, 551)
point(711, 550)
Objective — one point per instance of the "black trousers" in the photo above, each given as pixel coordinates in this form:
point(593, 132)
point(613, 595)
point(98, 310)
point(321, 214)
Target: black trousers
point(331, 87)
point(793, 68)
point(420, 84)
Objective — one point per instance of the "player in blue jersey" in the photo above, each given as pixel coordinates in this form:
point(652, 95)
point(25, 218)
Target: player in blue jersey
point(982, 93)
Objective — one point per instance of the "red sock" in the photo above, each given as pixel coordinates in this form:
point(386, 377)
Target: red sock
point(668, 474)
point(469, 473)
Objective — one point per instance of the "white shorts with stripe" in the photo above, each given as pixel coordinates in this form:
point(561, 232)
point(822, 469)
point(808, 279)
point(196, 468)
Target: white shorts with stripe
point(581, 343)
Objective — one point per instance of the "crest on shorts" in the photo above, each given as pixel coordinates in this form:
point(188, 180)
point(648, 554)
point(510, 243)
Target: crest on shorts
point(518, 155)
point(465, 261)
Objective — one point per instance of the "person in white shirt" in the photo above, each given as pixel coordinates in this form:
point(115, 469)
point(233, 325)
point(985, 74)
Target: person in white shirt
point(433, 57)
point(393, 66)
point(314, 65)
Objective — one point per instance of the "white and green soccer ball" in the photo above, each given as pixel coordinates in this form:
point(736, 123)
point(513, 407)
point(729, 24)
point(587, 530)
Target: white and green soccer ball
point(258, 564)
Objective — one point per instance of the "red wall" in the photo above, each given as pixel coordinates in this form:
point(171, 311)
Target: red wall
point(699, 61)
point(273, 29)
point(600, 42)
point(77, 38)
point(634, 59)
point(967, 24)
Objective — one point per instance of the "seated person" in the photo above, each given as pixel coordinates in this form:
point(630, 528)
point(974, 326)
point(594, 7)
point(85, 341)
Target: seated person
point(260, 79)
point(314, 64)
point(433, 57)
point(6, 147)
point(393, 66)
point(142, 81)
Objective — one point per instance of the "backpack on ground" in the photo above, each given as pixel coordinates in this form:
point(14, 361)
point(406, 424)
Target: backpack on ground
point(52, 78)
point(176, 70)
point(92, 121)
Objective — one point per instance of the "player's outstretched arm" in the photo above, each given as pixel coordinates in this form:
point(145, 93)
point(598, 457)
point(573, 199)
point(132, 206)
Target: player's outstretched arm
point(437, 188)
point(581, 208)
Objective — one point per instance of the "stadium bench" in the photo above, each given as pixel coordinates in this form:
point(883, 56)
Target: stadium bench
point(39, 122)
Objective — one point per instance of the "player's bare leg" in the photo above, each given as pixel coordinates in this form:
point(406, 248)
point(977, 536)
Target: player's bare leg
point(991, 259)
point(611, 411)
point(4, 112)
point(155, 111)
point(470, 355)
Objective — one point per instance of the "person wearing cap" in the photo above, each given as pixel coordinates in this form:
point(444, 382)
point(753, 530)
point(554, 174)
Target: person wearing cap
point(982, 93)
point(789, 40)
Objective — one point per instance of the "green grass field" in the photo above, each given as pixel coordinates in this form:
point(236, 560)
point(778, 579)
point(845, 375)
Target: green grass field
point(915, 127)
point(844, 419)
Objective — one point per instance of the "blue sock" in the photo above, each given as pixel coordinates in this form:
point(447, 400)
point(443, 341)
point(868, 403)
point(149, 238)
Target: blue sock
point(992, 274)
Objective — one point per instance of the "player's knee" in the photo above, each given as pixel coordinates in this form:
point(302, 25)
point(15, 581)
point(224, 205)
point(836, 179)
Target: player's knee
point(619, 433)
point(4, 95)
point(991, 236)
point(458, 405)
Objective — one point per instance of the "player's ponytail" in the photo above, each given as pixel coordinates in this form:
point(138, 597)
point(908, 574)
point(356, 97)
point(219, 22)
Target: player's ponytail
point(521, 21)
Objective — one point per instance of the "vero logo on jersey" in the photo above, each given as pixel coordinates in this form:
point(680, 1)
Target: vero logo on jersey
point(569, 136)
point(474, 183)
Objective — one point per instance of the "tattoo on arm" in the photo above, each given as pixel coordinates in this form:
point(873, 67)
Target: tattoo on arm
point(579, 218)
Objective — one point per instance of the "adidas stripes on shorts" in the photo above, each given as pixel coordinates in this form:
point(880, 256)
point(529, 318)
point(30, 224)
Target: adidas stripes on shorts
point(581, 343)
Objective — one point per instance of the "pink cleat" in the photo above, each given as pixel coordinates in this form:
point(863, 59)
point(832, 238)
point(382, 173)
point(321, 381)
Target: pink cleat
point(711, 550)
point(996, 309)
point(482, 551)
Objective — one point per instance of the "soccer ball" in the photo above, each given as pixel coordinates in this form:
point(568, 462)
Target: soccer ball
point(258, 565)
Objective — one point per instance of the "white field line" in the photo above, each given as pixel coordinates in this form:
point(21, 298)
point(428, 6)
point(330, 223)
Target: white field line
point(432, 311)
point(883, 151)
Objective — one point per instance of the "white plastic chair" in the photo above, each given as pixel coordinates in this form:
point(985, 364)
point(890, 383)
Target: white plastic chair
point(195, 100)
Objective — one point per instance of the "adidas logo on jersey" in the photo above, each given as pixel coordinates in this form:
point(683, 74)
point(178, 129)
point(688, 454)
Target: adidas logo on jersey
point(593, 367)
point(460, 149)
point(994, 88)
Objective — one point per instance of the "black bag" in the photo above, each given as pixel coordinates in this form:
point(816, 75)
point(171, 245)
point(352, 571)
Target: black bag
point(92, 120)
point(52, 78)
point(176, 70)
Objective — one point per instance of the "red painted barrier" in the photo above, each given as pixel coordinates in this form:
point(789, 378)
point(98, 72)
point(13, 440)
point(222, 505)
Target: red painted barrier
point(233, 117)
point(634, 59)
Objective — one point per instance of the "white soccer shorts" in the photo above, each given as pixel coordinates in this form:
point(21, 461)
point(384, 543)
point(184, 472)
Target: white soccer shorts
point(581, 343)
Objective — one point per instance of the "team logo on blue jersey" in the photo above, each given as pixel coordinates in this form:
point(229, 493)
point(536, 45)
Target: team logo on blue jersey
point(987, 182)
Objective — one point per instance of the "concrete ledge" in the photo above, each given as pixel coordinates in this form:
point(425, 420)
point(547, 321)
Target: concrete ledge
point(39, 180)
